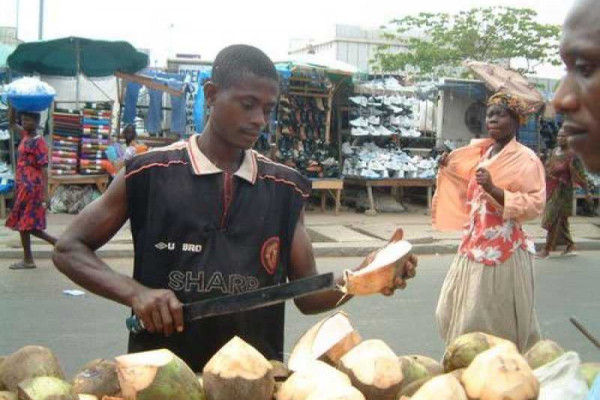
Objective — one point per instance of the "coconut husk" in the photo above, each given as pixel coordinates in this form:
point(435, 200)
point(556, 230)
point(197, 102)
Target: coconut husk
point(500, 373)
point(6, 395)
point(590, 371)
point(379, 271)
point(45, 388)
point(442, 387)
point(542, 353)
point(98, 378)
point(29, 362)
point(336, 393)
point(280, 371)
point(465, 348)
point(157, 375)
point(238, 371)
point(301, 384)
point(328, 341)
point(374, 369)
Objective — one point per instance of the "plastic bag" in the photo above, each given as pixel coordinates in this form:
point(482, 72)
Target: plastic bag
point(561, 379)
point(595, 391)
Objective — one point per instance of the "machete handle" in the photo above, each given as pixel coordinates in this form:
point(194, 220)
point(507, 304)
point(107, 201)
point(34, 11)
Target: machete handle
point(134, 324)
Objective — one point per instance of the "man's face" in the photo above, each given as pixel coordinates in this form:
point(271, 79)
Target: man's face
point(241, 112)
point(578, 96)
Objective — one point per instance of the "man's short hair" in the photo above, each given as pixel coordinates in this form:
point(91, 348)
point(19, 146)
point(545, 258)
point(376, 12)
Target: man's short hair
point(238, 61)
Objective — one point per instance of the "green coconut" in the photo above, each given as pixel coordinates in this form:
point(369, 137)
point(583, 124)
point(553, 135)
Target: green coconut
point(238, 371)
point(5, 395)
point(412, 370)
point(543, 352)
point(44, 388)
point(98, 378)
point(157, 375)
point(590, 371)
point(29, 362)
point(465, 348)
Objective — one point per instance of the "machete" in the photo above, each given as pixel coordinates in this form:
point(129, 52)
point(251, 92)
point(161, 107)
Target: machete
point(235, 303)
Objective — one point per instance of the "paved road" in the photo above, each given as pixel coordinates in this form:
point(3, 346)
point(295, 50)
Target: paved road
point(33, 310)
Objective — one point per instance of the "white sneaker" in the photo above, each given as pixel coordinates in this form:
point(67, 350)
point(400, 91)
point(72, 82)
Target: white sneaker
point(373, 120)
point(359, 132)
point(395, 120)
point(359, 122)
point(383, 131)
point(359, 100)
point(373, 131)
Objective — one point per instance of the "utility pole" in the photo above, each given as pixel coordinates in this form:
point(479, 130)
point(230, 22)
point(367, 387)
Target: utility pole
point(17, 24)
point(41, 21)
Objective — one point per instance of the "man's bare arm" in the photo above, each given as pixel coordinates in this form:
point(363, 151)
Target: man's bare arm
point(74, 256)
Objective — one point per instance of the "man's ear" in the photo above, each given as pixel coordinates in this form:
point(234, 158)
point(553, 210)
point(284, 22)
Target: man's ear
point(210, 93)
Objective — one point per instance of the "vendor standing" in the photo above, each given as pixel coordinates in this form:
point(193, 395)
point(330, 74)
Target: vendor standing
point(489, 189)
point(28, 213)
point(209, 217)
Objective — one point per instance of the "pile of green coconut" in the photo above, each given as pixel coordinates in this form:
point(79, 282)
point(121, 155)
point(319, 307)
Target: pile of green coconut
point(330, 362)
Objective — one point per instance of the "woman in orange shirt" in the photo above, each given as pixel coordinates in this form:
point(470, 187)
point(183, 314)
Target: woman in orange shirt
point(489, 189)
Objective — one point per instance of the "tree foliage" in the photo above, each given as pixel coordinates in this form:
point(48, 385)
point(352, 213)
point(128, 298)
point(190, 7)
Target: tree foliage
point(437, 41)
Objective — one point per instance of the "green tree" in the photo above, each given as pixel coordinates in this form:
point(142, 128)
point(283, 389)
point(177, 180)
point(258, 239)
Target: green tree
point(439, 41)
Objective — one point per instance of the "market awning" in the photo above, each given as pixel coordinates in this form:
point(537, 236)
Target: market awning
point(73, 55)
point(335, 69)
point(499, 79)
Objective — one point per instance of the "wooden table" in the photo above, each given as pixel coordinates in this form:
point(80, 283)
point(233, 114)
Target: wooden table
point(101, 182)
point(394, 183)
point(332, 187)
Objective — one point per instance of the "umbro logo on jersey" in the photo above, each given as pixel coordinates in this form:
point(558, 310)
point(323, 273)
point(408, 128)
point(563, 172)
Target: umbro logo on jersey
point(164, 246)
point(192, 248)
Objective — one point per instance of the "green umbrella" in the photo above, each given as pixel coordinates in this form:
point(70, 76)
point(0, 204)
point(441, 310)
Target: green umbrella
point(68, 56)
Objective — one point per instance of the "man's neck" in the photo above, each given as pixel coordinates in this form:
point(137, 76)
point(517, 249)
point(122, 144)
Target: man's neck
point(221, 154)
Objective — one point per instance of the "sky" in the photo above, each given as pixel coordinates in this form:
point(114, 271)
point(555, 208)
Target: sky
point(204, 27)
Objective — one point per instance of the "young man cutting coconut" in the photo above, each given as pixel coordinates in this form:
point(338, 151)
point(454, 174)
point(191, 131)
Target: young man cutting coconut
point(209, 217)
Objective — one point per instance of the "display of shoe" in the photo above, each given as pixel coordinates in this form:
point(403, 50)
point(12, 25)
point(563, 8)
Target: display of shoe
point(359, 122)
point(373, 120)
point(383, 131)
point(359, 100)
point(359, 132)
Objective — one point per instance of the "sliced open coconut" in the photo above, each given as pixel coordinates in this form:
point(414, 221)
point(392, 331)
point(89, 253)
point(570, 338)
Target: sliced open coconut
point(328, 341)
point(380, 270)
point(238, 371)
point(316, 374)
point(29, 362)
point(157, 374)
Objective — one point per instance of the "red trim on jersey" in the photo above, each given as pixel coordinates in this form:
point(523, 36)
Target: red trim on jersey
point(279, 180)
point(155, 165)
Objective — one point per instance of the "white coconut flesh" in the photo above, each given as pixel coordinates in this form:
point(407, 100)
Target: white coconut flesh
point(331, 332)
point(389, 254)
point(237, 359)
point(140, 369)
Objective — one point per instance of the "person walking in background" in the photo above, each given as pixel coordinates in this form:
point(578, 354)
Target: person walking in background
point(28, 214)
point(489, 189)
point(563, 170)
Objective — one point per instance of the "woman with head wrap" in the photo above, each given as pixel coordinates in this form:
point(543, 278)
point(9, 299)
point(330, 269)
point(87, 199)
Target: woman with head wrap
point(564, 170)
point(488, 189)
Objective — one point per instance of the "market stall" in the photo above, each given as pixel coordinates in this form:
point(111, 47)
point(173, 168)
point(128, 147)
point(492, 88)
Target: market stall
point(304, 138)
point(80, 126)
point(390, 139)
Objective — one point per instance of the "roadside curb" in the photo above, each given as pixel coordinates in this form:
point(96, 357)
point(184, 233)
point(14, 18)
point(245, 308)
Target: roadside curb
point(321, 250)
